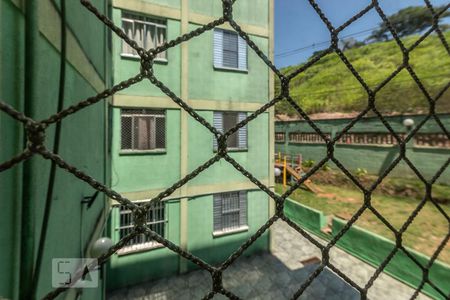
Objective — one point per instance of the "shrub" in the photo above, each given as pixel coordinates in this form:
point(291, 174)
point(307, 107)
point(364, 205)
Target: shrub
point(308, 163)
point(361, 172)
point(326, 167)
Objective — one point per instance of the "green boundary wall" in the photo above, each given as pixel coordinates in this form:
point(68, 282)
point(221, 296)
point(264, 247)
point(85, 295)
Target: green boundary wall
point(373, 249)
point(309, 218)
point(428, 160)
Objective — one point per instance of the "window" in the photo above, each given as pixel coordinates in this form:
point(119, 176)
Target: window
point(143, 130)
point(230, 212)
point(147, 32)
point(155, 221)
point(230, 50)
point(280, 136)
point(224, 121)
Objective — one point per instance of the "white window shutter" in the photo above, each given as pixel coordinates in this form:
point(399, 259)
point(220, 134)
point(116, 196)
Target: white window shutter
point(242, 132)
point(218, 48)
point(218, 124)
point(242, 53)
point(242, 208)
point(217, 212)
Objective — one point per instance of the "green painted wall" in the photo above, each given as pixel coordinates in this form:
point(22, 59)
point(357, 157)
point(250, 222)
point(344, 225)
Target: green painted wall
point(243, 11)
point(11, 91)
point(172, 3)
point(215, 250)
point(69, 217)
point(307, 217)
point(133, 268)
point(146, 171)
point(427, 160)
point(90, 43)
point(205, 82)
point(127, 167)
point(70, 224)
point(255, 159)
point(125, 68)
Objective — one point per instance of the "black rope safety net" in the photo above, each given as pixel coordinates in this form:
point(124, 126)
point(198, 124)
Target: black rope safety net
point(36, 136)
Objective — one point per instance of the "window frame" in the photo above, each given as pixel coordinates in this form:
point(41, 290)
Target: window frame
point(280, 137)
point(147, 245)
point(163, 114)
point(234, 51)
point(146, 20)
point(239, 40)
point(240, 114)
point(242, 197)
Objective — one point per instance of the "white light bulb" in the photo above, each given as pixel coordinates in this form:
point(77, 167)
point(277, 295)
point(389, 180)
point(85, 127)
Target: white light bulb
point(408, 123)
point(277, 172)
point(101, 246)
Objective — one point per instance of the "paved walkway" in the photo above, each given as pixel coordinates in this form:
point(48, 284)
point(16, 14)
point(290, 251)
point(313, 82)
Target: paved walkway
point(276, 276)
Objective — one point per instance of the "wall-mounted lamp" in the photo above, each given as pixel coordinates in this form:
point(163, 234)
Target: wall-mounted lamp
point(101, 246)
point(408, 123)
point(277, 172)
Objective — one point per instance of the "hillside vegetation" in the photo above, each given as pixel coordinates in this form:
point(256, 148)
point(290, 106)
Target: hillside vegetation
point(328, 86)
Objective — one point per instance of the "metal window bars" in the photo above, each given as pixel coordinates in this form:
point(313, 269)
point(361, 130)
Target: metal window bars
point(155, 220)
point(142, 130)
point(36, 137)
point(280, 136)
point(230, 211)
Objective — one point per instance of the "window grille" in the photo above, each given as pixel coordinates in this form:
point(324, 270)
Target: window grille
point(230, 50)
point(312, 138)
point(280, 136)
point(147, 32)
point(155, 220)
point(143, 129)
point(230, 211)
point(437, 140)
point(224, 121)
point(368, 138)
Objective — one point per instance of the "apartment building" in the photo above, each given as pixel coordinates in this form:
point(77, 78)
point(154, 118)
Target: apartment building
point(155, 143)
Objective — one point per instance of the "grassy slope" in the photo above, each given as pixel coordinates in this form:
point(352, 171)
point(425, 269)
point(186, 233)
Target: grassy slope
point(328, 86)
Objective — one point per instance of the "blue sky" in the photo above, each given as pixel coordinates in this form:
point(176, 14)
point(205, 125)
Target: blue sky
point(298, 27)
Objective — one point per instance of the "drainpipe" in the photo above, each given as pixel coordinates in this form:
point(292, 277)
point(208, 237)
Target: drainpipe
point(28, 207)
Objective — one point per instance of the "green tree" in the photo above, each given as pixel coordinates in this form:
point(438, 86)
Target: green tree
point(350, 43)
point(407, 21)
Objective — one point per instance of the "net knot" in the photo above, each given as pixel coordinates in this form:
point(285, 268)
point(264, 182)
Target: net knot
point(222, 146)
point(147, 63)
point(217, 280)
point(284, 86)
point(36, 136)
point(140, 218)
point(228, 9)
point(279, 208)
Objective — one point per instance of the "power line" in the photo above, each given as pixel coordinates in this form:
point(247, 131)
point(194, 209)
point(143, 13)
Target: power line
point(314, 45)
